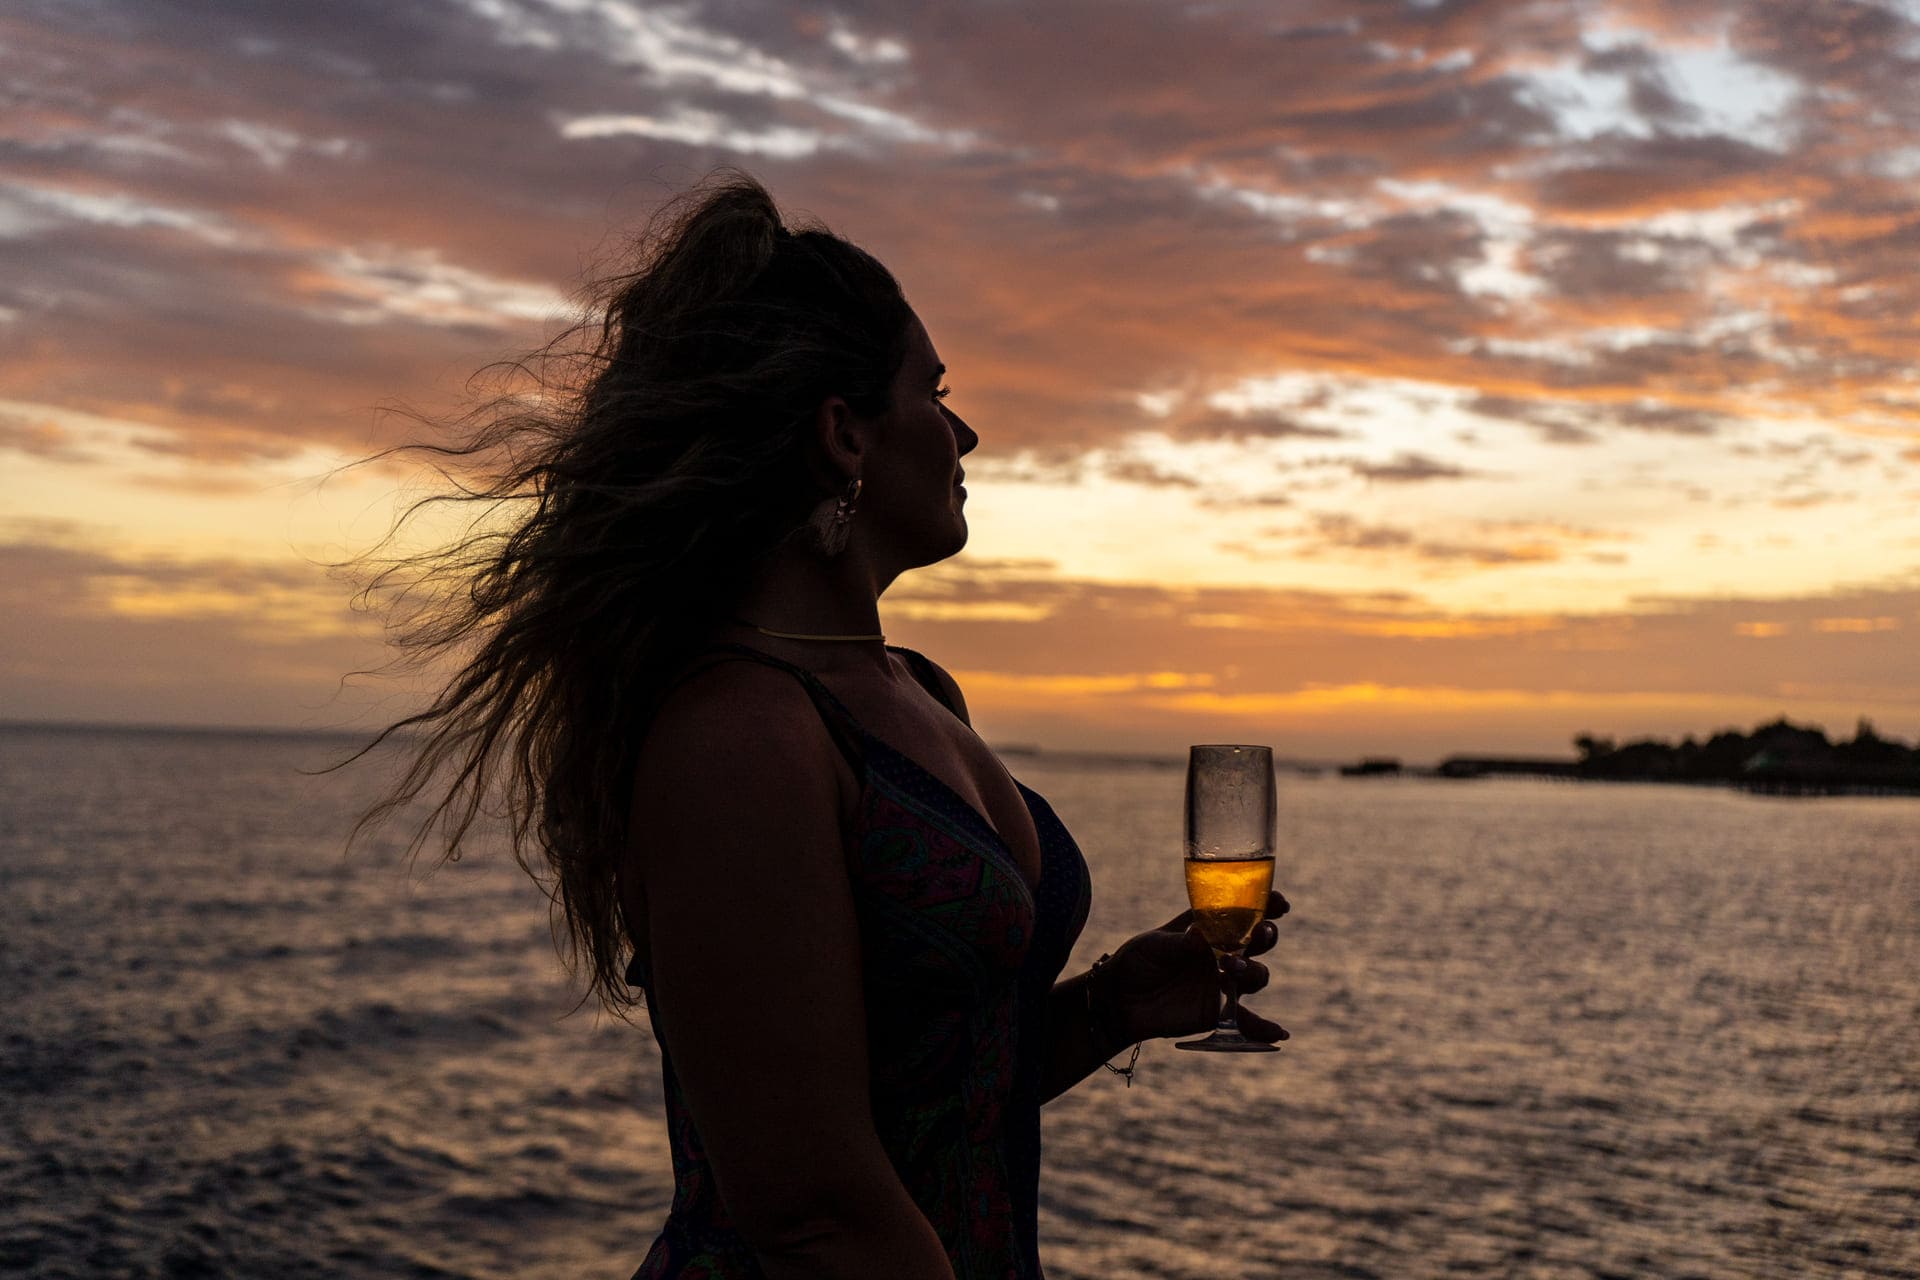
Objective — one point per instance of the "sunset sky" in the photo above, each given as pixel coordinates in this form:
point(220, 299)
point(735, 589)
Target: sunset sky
point(1355, 377)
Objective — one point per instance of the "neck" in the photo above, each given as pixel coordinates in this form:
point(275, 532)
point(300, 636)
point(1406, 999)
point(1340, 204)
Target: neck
point(822, 637)
point(829, 603)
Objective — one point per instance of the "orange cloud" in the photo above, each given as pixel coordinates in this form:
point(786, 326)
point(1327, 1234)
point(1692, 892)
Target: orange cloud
point(1404, 671)
point(86, 635)
point(1189, 198)
point(1855, 626)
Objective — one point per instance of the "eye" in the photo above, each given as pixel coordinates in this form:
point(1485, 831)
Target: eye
point(941, 393)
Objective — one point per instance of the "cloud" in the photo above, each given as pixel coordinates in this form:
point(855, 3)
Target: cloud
point(1409, 468)
point(1267, 501)
point(1847, 48)
point(1616, 178)
point(1197, 196)
point(1523, 544)
point(272, 603)
point(1511, 680)
point(699, 128)
point(1140, 471)
point(1651, 93)
point(1669, 419)
point(1857, 626)
point(1554, 423)
point(1351, 534)
point(87, 634)
point(1610, 271)
point(1255, 426)
point(1801, 501)
point(40, 439)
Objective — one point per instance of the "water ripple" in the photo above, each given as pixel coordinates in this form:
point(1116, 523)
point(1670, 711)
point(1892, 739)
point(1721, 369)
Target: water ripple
point(1539, 1031)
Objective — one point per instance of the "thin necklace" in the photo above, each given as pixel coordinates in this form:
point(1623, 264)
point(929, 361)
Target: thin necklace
point(798, 635)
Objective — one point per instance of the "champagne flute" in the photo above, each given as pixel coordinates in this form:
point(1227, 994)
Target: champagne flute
point(1229, 863)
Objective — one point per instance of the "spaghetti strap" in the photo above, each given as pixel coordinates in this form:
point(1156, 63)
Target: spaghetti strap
point(845, 731)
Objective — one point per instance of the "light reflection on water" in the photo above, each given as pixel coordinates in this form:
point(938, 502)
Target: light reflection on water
point(1539, 1030)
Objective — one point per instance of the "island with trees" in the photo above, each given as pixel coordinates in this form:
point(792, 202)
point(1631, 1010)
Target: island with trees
point(1781, 758)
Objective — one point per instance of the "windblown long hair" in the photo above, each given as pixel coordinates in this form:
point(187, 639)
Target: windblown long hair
point(625, 493)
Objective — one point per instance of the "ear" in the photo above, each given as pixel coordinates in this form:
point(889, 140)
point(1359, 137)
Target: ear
point(843, 440)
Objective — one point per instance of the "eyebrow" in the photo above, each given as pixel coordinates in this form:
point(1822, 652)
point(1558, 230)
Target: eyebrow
point(939, 372)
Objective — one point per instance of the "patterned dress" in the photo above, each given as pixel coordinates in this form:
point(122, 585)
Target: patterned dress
point(959, 959)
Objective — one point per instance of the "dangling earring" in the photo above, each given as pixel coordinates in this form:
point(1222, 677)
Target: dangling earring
point(830, 526)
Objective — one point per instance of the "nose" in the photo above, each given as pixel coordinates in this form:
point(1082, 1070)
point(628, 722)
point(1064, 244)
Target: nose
point(964, 436)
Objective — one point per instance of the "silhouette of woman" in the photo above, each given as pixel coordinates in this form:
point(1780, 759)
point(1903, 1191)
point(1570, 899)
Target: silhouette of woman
point(847, 920)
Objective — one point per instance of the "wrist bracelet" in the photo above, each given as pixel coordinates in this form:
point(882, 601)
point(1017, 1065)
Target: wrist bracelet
point(1093, 1025)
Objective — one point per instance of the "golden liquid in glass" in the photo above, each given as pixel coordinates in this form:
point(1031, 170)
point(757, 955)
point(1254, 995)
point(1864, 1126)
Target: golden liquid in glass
point(1229, 898)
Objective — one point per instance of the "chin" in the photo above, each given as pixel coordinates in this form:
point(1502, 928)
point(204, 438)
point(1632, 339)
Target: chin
point(932, 545)
point(948, 547)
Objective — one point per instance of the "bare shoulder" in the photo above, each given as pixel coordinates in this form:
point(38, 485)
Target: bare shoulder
point(732, 742)
point(709, 706)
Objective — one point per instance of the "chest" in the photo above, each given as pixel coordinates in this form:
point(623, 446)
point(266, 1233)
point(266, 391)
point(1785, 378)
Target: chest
point(924, 737)
point(943, 906)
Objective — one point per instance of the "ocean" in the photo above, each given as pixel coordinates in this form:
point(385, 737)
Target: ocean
point(1539, 1030)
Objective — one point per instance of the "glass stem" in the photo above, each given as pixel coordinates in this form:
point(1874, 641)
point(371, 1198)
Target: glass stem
point(1229, 1024)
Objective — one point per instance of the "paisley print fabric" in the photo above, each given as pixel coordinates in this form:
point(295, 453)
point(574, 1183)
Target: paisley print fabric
point(959, 958)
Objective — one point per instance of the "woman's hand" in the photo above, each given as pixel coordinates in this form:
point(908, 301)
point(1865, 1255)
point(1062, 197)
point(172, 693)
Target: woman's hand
point(1164, 982)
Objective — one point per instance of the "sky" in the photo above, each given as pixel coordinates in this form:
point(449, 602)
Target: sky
point(1359, 377)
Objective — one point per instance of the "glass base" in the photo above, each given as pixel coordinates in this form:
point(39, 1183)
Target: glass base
point(1235, 1043)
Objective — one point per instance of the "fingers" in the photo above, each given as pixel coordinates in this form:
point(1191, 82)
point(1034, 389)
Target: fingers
point(1266, 933)
point(1178, 923)
point(1255, 1027)
point(1174, 951)
point(1248, 976)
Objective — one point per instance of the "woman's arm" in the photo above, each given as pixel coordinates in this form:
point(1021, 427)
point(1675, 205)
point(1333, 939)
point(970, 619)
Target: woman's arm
point(1082, 1033)
point(1163, 982)
point(755, 959)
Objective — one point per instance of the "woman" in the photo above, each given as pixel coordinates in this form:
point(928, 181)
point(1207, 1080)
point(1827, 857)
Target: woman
point(848, 922)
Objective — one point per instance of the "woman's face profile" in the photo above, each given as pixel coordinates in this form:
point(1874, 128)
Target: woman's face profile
point(912, 482)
